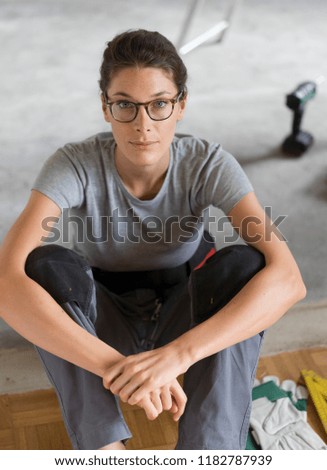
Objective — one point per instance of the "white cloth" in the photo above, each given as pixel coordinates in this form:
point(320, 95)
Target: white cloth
point(279, 425)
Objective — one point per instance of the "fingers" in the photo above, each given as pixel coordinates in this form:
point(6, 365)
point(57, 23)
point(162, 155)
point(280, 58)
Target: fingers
point(174, 407)
point(156, 401)
point(122, 384)
point(136, 383)
point(170, 397)
point(129, 381)
point(139, 389)
point(109, 377)
point(180, 400)
point(166, 398)
point(118, 375)
point(149, 408)
point(126, 391)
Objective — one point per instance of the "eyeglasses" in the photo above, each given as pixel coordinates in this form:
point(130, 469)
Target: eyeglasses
point(157, 110)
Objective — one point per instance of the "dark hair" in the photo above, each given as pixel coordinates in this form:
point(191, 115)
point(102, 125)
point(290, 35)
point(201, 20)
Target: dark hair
point(141, 48)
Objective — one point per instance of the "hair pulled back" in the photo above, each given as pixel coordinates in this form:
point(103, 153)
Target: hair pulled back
point(141, 48)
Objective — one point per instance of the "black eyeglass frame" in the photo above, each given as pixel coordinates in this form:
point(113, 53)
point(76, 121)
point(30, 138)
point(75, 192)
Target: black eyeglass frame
point(173, 101)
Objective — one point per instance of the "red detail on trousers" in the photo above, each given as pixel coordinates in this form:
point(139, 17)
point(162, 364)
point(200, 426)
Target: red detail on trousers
point(208, 255)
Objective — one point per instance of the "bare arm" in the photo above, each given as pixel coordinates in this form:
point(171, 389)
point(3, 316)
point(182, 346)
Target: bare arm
point(34, 314)
point(30, 310)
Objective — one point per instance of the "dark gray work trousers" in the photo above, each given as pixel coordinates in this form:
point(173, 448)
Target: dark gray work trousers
point(134, 312)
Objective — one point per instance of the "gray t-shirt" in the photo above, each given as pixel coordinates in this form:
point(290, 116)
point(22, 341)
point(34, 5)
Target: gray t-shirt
point(114, 230)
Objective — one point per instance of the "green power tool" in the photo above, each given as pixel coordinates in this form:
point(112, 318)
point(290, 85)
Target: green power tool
point(299, 141)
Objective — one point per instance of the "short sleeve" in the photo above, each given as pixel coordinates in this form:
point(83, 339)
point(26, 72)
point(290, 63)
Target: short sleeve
point(62, 179)
point(221, 181)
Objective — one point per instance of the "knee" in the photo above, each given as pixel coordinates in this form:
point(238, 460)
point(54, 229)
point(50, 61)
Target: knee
point(236, 267)
point(42, 254)
point(244, 260)
point(222, 277)
point(64, 274)
point(51, 256)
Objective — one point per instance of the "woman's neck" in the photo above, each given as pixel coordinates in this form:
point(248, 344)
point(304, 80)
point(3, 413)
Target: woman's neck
point(142, 182)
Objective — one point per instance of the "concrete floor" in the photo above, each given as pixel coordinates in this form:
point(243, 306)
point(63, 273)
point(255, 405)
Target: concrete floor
point(50, 55)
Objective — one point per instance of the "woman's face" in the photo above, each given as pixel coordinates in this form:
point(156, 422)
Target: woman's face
point(143, 142)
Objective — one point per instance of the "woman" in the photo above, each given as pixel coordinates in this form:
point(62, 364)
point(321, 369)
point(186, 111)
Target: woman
point(142, 297)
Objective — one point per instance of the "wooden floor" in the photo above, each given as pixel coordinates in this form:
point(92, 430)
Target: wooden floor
point(33, 421)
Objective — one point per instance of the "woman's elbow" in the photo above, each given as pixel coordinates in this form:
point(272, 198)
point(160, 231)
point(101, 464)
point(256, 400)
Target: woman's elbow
point(297, 286)
point(302, 290)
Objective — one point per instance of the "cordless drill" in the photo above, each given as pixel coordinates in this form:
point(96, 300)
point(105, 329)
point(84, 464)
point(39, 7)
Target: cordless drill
point(299, 141)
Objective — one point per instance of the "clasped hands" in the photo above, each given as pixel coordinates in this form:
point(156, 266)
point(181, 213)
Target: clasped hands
point(149, 380)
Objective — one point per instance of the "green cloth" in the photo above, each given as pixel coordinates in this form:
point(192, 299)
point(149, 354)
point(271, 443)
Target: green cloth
point(269, 390)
